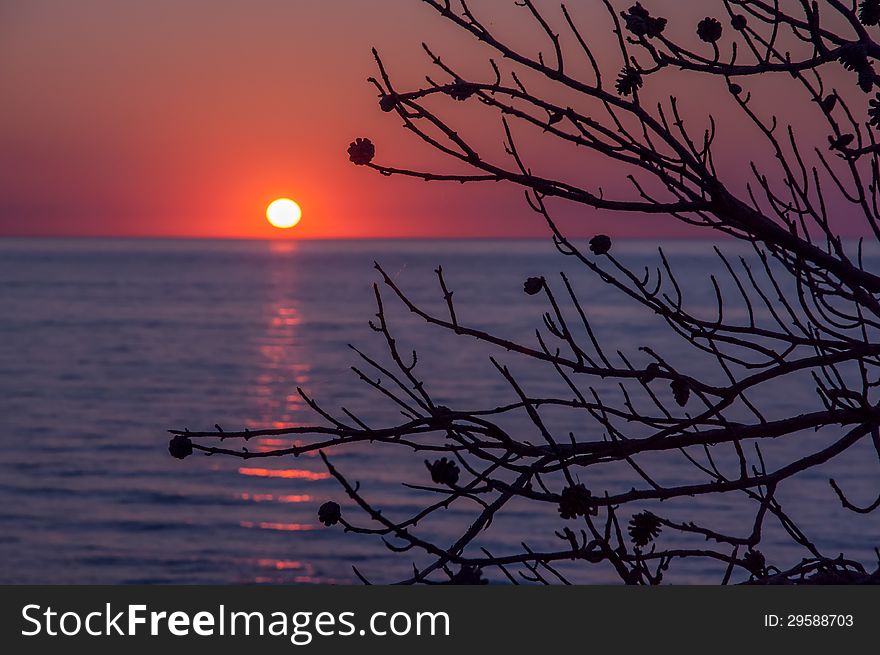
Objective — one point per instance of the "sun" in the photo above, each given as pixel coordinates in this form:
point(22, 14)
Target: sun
point(283, 213)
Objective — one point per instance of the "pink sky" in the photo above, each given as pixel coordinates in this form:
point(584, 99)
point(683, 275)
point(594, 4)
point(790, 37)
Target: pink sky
point(169, 118)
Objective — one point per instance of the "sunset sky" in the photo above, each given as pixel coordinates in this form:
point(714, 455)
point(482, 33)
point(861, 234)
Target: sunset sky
point(173, 118)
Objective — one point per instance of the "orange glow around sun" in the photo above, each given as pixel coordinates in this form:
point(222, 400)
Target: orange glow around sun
point(283, 213)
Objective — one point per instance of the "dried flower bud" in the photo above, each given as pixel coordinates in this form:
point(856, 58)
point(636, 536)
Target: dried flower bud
point(468, 575)
point(443, 471)
point(628, 81)
point(681, 391)
point(329, 513)
point(180, 446)
point(361, 151)
point(709, 30)
point(869, 12)
point(853, 57)
point(533, 285)
point(756, 563)
point(600, 244)
point(739, 22)
point(644, 527)
point(640, 22)
point(576, 501)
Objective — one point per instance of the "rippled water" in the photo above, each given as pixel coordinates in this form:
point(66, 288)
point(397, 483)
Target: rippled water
point(104, 344)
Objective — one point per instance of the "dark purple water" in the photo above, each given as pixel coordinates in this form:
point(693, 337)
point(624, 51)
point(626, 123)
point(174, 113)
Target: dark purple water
point(104, 344)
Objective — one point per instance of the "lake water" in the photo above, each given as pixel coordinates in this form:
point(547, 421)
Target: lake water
point(105, 344)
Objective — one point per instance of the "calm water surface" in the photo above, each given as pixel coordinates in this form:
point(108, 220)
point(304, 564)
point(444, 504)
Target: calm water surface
point(105, 344)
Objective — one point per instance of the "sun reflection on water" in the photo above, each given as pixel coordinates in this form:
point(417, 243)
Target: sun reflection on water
point(287, 474)
point(280, 564)
point(273, 525)
point(280, 366)
point(275, 498)
point(287, 571)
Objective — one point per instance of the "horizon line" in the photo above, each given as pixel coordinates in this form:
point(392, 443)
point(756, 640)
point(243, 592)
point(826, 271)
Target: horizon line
point(547, 237)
